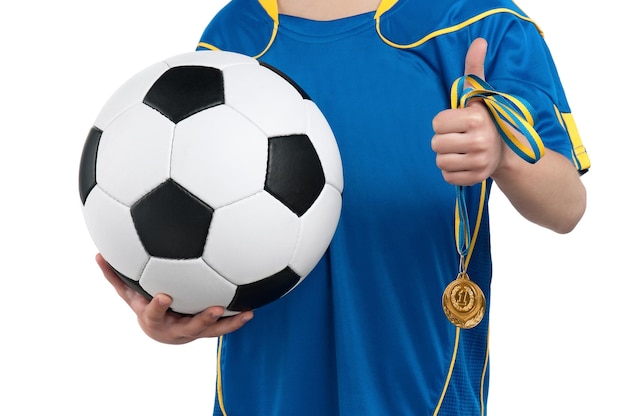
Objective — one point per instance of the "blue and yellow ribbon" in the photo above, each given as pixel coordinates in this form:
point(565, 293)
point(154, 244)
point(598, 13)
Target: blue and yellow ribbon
point(514, 119)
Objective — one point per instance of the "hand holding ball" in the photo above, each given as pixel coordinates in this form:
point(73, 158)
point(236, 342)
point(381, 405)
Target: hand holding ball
point(212, 178)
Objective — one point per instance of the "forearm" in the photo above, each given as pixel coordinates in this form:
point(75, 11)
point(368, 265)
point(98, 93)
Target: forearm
point(548, 193)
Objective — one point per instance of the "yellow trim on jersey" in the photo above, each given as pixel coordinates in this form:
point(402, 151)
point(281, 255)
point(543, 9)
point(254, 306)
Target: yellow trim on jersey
point(271, 8)
point(450, 370)
point(220, 391)
point(208, 46)
point(383, 7)
point(579, 153)
point(215, 48)
point(482, 379)
point(444, 31)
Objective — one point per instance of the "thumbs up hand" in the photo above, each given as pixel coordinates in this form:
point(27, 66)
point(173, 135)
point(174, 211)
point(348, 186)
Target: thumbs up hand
point(467, 143)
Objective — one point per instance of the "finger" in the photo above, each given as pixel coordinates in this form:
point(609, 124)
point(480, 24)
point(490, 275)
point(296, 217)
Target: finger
point(104, 266)
point(475, 58)
point(227, 325)
point(450, 121)
point(155, 312)
point(208, 324)
point(462, 178)
point(462, 162)
point(201, 322)
point(120, 287)
point(450, 143)
point(459, 120)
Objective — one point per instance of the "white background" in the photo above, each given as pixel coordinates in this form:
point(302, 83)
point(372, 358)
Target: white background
point(70, 346)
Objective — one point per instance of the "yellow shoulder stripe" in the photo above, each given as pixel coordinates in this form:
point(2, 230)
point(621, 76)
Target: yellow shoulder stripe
point(444, 31)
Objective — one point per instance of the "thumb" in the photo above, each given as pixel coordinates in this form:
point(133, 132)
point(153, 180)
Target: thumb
point(475, 58)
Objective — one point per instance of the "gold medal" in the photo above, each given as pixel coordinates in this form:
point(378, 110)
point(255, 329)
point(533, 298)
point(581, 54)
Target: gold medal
point(464, 302)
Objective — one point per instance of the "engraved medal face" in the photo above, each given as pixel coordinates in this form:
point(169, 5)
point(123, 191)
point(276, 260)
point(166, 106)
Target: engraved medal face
point(464, 302)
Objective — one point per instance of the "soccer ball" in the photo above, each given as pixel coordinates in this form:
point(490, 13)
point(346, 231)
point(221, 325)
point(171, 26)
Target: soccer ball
point(213, 178)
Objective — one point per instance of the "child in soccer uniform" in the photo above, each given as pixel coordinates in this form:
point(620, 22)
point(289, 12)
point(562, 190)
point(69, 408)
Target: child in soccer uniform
point(365, 333)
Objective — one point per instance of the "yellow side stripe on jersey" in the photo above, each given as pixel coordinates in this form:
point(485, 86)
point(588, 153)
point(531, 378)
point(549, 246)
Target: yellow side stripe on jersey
point(220, 392)
point(450, 370)
point(482, 379)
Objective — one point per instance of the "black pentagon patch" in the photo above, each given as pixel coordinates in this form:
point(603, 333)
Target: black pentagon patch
point(183, 91)
point(171, 222)
point(259, 293)
point(87, 172)
point(294, 172)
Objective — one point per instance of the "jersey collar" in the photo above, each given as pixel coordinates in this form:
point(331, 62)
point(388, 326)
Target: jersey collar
point(271, 8)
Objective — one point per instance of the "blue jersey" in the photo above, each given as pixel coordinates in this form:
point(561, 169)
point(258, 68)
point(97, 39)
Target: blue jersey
point(365, 333)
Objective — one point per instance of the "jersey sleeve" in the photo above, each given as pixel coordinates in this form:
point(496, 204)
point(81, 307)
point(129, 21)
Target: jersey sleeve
point(519, 62)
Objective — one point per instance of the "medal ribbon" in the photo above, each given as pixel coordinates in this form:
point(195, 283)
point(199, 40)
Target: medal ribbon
point(513, 117)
